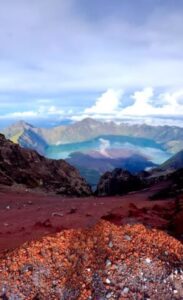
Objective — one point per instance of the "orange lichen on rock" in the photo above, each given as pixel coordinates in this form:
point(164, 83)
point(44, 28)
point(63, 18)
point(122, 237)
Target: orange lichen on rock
point(103, 262)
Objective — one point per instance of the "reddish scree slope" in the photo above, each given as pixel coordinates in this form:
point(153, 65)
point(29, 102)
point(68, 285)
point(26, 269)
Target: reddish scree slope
point(28, 216)
point(104, 262)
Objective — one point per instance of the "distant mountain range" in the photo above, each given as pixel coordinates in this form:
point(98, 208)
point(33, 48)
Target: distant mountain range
point(27, 168)
point(95, 147)
point(170, 137)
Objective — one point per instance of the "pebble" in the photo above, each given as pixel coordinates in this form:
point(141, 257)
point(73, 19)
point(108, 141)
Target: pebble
point(127, 237)
point(108, 263)
point(109, 295)
point(110, 244)
point(57, 214)
point(125, 290)
point(148, 260)
point(108, 281)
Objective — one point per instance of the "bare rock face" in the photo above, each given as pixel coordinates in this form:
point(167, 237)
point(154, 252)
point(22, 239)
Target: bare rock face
point(118, 182)
point(27, 167)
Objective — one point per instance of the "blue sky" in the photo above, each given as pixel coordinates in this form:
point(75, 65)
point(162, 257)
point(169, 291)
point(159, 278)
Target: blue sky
point(72, 58)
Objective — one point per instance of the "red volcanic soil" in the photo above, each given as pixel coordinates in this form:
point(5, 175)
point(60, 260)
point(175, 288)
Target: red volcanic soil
point(28, 216)
point(103, 262)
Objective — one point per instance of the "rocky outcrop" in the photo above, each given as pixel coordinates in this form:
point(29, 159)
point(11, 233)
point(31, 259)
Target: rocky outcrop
point(118, 182)
point(27, 167)
point(172, 183)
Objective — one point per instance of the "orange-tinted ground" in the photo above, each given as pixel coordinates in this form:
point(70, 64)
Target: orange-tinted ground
point(100, 263)
point(28, 216)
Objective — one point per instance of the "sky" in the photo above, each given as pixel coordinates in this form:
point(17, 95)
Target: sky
point(107, 59)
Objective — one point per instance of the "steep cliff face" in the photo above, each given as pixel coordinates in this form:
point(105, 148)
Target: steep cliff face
point(27, 167)
point(118, 182)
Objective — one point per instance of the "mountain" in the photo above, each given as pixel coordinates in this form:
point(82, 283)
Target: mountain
point(90, 128)
point(81, 142)
point(26, 136)
point(170, 137)
point(28, 168)
point(118, 182)
point(15, 131)
point(175, 162)
point(94, 163)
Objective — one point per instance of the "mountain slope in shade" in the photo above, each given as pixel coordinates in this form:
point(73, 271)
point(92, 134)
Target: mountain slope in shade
point(26, 136)
point(27, 167)
point(14, 131)
point(31, 140)
point(93, 164)
point(175, 162)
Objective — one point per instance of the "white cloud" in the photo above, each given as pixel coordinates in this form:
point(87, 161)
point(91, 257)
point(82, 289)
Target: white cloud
point(104, 145)
point(50, 110)
point(143, 107)
point(48, 46)
point(41, 112)
point(107, 103)
point(148, 107)
point(20, 115)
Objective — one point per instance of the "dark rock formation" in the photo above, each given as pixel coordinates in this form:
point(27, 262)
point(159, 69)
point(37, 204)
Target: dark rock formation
point(27, 167)
point(118, 182)
point(174, 186)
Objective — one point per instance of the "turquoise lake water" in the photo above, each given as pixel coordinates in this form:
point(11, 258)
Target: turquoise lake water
point(154, 151)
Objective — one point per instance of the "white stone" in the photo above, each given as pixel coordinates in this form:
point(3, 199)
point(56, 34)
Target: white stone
point(126, 290)
point(108, 281)
point(148, 260)
point(108, 263)
point(110, 244)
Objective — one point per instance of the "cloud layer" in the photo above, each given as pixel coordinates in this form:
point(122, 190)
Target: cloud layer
point(147, 106)
point(57, 57)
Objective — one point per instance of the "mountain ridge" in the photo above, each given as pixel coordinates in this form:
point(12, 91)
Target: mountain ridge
point(28, 168)
point(169, 136)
